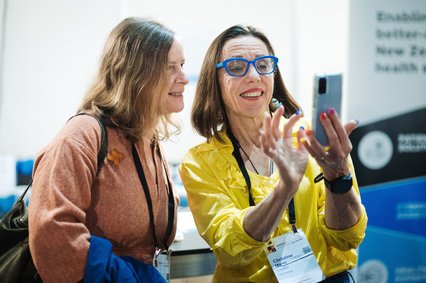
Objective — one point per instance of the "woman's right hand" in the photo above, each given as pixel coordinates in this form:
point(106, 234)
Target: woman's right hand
point(290, 160)
point(263, 219)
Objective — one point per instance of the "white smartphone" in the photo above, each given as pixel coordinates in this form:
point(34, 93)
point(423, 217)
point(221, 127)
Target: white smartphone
point(327, 93)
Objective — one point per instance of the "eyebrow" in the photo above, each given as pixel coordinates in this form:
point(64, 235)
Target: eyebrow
point(240, 56)
point(176, 62)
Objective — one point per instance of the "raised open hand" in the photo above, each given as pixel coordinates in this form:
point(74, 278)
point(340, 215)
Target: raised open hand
point(290, 160)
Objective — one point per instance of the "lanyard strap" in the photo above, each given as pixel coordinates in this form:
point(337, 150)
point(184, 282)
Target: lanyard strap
point(292, 215)
point(237, 156)
point(171, 202)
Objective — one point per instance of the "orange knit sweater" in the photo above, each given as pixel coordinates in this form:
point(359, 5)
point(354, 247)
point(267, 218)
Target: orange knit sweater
point(70, 200)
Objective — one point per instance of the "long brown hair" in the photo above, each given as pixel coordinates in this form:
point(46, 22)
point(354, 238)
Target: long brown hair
point(208, 110)
point(125, 93)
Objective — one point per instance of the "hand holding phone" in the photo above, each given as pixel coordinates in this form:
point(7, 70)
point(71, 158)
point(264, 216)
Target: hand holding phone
point(327, 93)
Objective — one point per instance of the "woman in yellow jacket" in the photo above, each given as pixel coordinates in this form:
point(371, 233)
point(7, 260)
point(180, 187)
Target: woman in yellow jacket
point(239, 202)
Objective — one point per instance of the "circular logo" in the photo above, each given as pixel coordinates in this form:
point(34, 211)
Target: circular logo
point(373, 271)
point(375, 150)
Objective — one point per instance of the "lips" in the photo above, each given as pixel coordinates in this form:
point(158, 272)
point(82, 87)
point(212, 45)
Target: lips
point(252, 94)
point(175, 93)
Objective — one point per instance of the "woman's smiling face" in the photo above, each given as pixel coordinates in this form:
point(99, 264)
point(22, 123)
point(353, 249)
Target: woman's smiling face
point(176, 79)
point(246, 96)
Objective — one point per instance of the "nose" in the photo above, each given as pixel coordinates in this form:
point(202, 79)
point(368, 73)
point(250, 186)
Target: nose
point(182, 77)
point(252, 73)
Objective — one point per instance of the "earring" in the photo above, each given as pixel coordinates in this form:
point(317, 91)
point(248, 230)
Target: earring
point(274, 104)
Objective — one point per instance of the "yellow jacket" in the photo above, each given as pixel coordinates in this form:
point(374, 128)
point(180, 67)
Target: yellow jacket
point(218, 199)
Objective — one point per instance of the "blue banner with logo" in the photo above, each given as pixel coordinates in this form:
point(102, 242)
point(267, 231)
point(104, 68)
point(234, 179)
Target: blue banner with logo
point(390, 161)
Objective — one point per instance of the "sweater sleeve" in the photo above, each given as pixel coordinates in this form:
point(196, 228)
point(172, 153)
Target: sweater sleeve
point(61, 193)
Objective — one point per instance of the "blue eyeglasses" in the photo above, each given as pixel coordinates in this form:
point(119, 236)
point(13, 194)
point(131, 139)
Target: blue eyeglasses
point(238, 67)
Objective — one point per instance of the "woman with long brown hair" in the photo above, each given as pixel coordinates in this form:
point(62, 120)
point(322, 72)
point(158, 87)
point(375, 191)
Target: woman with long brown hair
point(242, 206)
point(107, 221)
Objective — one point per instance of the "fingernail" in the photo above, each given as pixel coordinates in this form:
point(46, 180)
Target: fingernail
point(323, 116)
point(302, 140)
point(298, 111)
point(326, 148)
point(356, 121)
point(308, 132)
point(301, 128)
point(331, 111)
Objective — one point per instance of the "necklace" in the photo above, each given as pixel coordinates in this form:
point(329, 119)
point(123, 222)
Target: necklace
point(271, 164)
point(248, 158)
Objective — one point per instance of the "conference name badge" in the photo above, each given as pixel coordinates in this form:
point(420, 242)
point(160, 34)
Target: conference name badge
point(162, 263)
point(292, 259)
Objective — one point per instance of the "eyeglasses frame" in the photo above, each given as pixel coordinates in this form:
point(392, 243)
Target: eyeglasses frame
point(224, 63)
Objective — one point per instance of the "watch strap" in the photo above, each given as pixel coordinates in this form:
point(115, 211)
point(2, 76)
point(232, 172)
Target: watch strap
point(339, 185)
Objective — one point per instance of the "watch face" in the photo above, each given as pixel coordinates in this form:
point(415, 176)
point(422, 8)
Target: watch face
point(341, 185)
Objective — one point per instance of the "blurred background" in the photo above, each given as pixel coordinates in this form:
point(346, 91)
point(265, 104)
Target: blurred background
point(50, 51)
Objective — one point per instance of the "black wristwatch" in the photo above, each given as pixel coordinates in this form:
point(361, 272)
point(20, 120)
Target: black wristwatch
point(340, 185)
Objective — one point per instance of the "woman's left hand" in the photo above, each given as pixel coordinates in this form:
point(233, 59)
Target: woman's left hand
point(333, 158)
